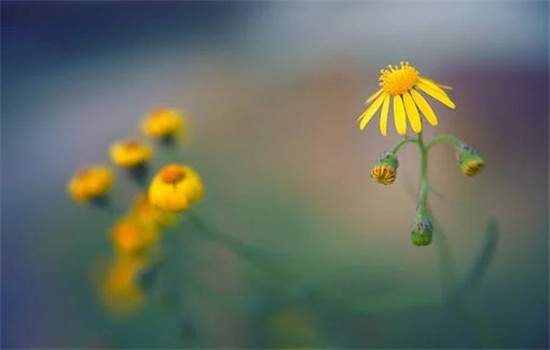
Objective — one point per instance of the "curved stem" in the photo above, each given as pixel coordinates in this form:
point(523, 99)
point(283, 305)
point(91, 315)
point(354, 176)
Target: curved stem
point(405, 140)
point(444, 138)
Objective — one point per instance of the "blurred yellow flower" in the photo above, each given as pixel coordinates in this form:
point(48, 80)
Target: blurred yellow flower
point(131, 235)
point(294, 327)
point(149, 214)
point(175, 187)
point(130, 153)
point(403, 83)
point(119, 287)
point(90, 183)
point(163, 123)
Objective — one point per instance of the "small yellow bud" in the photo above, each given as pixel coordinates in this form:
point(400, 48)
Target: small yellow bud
point(385, 169)
point(163, 123)
point(469, 160)
point(175, 187)
point(130, 153)
point(90, 183)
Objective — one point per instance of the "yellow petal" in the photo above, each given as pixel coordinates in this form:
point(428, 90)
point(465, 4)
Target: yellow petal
point(435, 92)
point(373, 96)
point(369, 113)
point(384, 116)
point(424, 107)
point(446, 87)
point(399, 115)
point(412, 113)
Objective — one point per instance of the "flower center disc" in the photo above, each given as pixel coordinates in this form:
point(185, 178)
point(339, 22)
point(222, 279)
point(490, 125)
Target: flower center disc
point(172, 174)
point(398, 80)
point(131, 145)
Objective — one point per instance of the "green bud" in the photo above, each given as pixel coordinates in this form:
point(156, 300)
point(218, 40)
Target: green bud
point(422, 231)
point(469, 160)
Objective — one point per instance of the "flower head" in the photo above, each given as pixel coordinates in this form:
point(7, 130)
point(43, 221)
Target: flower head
point(469, 159)
point(385, 169)
point(119, 287)
point(175, 187)
point(131, 235)
point(403, 84)
point(150, 214)
point(130, 153)
point(422, 231)
point(163, 123)
point(90, 183)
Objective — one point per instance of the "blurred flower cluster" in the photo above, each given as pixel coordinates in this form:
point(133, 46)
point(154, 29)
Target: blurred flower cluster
point(139, 229)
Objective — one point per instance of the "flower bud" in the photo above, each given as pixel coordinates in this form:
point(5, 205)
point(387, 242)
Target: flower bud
point(469, 160)
point(422, 231)
point(385, 169)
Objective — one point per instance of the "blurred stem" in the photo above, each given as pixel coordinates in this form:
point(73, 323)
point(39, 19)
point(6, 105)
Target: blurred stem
point(444, 138)
point(213, 234)
point(233, 244)
point(403, 142)
point(447, 265)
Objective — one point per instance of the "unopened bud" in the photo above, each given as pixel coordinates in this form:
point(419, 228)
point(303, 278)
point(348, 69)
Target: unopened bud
point(385, 169)
point(469, 160)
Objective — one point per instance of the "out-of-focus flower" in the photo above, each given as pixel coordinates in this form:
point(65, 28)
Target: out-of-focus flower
point(90, 183)
point(469, 159)
point(131, 235)
point(385, 169)
point(175, 187)
point(294, 327)
point(402, 84)
point(130, 153)
point(151, 215)
point(119, 286)
point(164, 123)
point(422, 231)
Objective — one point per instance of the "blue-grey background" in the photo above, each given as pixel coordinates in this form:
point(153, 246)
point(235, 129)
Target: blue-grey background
point(271, 90)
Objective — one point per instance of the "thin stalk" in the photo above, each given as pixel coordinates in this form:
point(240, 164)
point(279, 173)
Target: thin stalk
point(444, 138)
point(424, 187)
point(402, 143)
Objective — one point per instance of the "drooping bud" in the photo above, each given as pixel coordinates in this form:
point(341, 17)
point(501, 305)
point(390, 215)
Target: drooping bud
point(469, 160)
point(422, 231)
point(385, 169)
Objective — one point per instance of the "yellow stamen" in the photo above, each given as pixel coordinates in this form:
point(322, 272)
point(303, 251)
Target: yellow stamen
point(398, 80)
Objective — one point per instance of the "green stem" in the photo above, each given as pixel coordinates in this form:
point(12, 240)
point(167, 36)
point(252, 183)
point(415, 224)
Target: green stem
point(260, 258)
point(444, 138)
point(424, 186)
point(403, 142)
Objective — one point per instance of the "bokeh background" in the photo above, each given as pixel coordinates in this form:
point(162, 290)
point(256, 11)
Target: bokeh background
point(271, 91)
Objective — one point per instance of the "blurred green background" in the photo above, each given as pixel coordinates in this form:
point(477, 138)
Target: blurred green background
point(271, 91)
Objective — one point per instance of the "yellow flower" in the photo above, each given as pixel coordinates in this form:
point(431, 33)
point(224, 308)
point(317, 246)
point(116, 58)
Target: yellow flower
point(130, 153)
point(175, 187)
point(130, 235)
point(163, 123)
point(384, 174)
point(149, 214)
point(119, 287)
point(90, 183)
point(403, 83)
